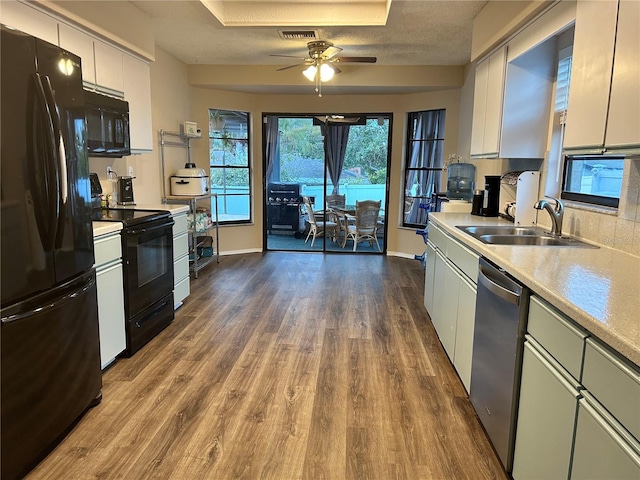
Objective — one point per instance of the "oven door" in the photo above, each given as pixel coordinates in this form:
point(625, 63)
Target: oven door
point(148, 264)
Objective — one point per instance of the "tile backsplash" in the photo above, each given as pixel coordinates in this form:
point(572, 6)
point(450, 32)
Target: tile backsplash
point(616, 228)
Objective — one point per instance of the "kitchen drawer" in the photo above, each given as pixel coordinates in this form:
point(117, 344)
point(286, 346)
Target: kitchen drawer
point(438, 237)
point(181, 291)
point(558, 335)
point(614, 382)
point(180, 226)
point(180, 245)
point(465, 259)
point(180, 269)
point(107, 248)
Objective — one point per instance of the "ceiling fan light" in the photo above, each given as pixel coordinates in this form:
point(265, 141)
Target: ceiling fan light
point(326, 72)
point(310, 72)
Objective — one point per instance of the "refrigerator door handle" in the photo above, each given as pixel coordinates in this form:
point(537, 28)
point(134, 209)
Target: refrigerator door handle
point(52, 203)
point(61, 160)
point(81, 290)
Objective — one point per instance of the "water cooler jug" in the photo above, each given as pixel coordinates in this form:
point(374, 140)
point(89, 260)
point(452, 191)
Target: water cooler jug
point(460, 178)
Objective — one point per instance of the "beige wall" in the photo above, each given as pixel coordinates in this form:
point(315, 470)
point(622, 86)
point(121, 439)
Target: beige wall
point(249, 237)
point(174, 101)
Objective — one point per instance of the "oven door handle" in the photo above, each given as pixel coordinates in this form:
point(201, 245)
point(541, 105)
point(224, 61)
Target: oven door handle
point(139, 231)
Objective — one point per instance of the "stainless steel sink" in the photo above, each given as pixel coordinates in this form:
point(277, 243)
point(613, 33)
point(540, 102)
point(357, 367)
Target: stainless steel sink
point(501, 230)
point(511, 235)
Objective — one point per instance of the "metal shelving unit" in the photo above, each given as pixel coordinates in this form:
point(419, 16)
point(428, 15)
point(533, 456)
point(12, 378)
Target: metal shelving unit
point(198, 262)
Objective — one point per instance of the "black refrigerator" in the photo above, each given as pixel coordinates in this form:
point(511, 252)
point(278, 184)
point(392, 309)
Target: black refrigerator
point(50, 351)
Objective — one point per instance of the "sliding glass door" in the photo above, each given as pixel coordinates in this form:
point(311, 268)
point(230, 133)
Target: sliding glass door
point(317, 169)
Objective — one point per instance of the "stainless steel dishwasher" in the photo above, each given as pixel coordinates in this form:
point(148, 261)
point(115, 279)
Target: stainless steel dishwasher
point(501, 317)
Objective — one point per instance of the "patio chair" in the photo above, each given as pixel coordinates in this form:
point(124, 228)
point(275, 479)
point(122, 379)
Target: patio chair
point(365, 225)
point(318, 225)
point(336, 200)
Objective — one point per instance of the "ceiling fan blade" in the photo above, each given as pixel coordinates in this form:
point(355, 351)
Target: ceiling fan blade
point(290, 66)
point(330, 52)
point(357, 59)
point(335, 68)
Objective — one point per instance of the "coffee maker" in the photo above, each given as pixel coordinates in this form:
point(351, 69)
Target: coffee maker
point(491, 201)
point(125, 191)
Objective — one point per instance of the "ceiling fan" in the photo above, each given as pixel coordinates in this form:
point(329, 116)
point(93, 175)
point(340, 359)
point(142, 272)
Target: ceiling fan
point(322, 62)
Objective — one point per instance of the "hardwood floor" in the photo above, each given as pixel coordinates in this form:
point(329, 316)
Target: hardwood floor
point(286, 366)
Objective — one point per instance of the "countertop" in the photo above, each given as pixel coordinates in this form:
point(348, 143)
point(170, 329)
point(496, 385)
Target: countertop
point(172, 208)
point(597, 288)
point(103, 228)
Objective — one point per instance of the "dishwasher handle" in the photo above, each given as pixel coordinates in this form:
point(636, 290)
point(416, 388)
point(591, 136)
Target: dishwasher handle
point(499, 283)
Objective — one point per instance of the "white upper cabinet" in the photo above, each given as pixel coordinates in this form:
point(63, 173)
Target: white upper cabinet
point(81, 44)
point(514, 88)
point(29, 20)
point(623, 125)
point(109, 73)
point(487, 105)
point(604, 109)
point(137, 91)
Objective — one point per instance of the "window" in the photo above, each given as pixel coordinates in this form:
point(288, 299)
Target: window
point(596, 180)
point(230, 172)
point(423, 165)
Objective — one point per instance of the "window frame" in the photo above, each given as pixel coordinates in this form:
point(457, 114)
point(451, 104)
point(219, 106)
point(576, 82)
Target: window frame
point(589, 198)
point(215, 135)
point(438, 168)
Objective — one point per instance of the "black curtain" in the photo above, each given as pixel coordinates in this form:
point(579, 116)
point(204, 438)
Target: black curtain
point(336, 138)
point(272, 149)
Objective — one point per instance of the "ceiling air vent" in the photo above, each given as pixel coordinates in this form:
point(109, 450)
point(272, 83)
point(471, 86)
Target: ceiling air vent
point(298, 34)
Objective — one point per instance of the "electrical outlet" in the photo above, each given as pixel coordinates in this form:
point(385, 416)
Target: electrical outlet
point(131, 171)
point(109, 170)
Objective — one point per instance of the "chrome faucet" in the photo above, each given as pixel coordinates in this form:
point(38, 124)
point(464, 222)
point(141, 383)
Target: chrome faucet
point(556, 213)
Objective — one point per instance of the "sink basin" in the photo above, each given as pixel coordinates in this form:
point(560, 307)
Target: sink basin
point(511, 235)
point(501, 230)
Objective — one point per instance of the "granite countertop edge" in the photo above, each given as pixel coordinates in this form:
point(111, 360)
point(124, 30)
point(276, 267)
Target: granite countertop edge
point(587, 285)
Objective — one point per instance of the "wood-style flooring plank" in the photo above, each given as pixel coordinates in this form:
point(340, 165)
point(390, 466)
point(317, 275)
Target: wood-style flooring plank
point(286, 366)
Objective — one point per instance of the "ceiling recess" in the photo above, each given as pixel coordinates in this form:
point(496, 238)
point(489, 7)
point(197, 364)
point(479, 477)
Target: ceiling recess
point(298, 34)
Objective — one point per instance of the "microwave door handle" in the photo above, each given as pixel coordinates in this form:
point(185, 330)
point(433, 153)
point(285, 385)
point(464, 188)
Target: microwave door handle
point(50, 205)
point(62, 190)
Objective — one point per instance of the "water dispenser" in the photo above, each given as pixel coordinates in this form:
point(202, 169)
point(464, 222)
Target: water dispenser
point(460, 178)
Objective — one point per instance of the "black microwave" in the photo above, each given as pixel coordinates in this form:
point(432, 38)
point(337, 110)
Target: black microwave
point(107, 125)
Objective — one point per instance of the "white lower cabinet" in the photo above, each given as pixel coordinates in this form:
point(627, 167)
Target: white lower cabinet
point(109, 281)
point(429, 274)
point(579, 407)
point(450, 297)
point(464, 329)
point(546, 416)
point(603, 447)
point(181, 285)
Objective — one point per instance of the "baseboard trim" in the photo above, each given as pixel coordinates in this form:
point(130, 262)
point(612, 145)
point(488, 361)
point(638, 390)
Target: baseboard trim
point(240, 252)
point(400, 254)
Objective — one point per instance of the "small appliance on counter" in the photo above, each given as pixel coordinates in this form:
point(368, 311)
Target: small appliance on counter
point(190, 181)
point(491, 200)
point(125, 191)
point(518, 193)
point(478, 198)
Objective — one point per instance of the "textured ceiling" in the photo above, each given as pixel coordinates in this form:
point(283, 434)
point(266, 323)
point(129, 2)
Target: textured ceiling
point(417, 32)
